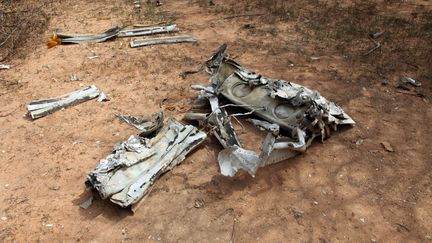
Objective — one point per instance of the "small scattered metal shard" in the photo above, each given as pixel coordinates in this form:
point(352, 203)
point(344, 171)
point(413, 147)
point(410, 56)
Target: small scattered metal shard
point(161, 40)
point(147, 31)
point(302, 114)
point(40, 108)
point(84, 38)
point(87, 203)
point(74, 77)
point(271, 127)
point(376, 35)
point(4, 66)
point(146, 124)
point(408, 80)
point(127, 174)
point(103, 97)
point(234, 158)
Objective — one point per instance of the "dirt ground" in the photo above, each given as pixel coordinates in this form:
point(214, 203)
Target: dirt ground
point(348, 189)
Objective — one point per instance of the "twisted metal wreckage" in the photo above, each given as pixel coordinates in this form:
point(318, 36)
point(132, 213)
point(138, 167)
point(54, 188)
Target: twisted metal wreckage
point(291, 114)
point(300, 112)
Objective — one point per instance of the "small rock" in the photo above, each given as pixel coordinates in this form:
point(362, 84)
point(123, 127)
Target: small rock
point(385, 82)
point(315, 202)
point(387, 146)
point(376, 35)
point(54, 188)
point(362, 219)
point(3, 218)
point(315, 58)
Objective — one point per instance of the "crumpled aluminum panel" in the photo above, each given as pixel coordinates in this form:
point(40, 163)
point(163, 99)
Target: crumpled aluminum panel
point(127, 174)
point(285, 103)
point(292, 114)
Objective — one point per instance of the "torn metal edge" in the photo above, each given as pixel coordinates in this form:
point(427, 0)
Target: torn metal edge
point(5, 66)
point(84, 38)
point(275, 147)
point(162, 40)
point(128, 173)
point(146, 124)
point(148, 31)
point(41, 108)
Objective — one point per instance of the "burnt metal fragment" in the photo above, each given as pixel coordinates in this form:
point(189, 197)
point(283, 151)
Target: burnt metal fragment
point(292, 114)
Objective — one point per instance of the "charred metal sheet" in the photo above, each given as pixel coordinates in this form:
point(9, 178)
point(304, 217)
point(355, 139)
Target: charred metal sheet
point(40, 108)
point(301, 113)
point(146, 124)
point(161, 40)
point(148, 31)
point(86, 38)
point(127, 174)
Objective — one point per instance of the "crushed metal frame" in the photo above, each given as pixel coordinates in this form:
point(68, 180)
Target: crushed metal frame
point(293, 115)
point(127, 174)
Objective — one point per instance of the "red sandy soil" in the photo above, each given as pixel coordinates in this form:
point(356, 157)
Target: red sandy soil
point(338, 191)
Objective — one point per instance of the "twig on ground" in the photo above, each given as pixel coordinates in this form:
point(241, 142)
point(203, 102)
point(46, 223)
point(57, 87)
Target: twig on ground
point(377, 45)
point(184, 74)
point(244, 15)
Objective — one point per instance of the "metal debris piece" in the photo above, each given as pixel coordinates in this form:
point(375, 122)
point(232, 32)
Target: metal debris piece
point(199, 203)
point(408, 80)
point(376, 35)
point(137, 3)
point(102, 97)
point(4, 66)
point(271, 127)
point(74, 77)
point(161, 40)
point(148, 31)
point(87, 203)
point(127, 174)
point(301, 113)
point(40, 108)
point(146, 124)
point(219, 119)
point(85, 38)
point(234, 158)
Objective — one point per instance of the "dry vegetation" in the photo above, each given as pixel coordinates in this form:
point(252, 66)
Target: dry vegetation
point(20, 22)
point(343, 27)
point(349, 189)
